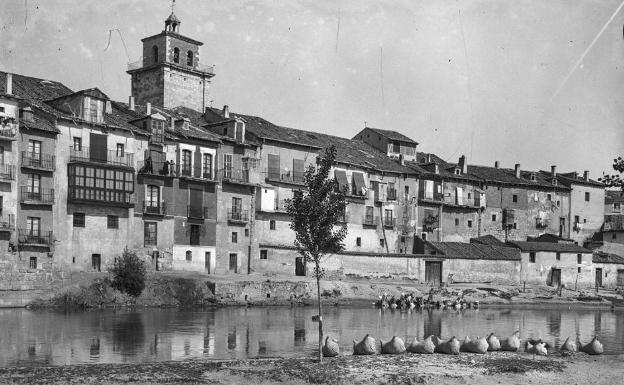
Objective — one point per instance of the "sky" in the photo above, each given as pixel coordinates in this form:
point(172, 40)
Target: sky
point(492, 80)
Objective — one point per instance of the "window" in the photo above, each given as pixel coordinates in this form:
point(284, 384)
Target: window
point(77, 143)
point(120, 150)
point(152, 196)
point(99, 184)
point(79, 220)
point(456, 221)
point(264, 254)
point(34, 184)
point(34, 149)
point(150, 234)
point(33, 263)
point(514, 198)
point(515, 225)
point(493, 217)
point(549, 197)
point(382, 242)
point(195, 235)
point(237, 207)
point(186, 162)
point(469, 222)
point(96, 262)
point(587, 196)
point(578, 269)
point(207, 166)
point(189, 255)
point(33, 226)
point(616, 206)
point(176, 55)
point(558, 257)
point(358, 241)
point(189, 58)
point(579, 258)
point(584, 220)
point(558, 203)
point(614, 236)
point(227, 165)
point(234, 237)
point(155, 54)
point(112, 221)
point(388, 217)
point(532, 257)
point(406, 191)
point(469, 195)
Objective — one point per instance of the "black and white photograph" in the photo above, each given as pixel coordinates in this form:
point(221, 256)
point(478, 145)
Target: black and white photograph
point(312, 192)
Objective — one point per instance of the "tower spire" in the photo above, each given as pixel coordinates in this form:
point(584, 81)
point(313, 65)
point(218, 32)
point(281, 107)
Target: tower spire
point(172, 23)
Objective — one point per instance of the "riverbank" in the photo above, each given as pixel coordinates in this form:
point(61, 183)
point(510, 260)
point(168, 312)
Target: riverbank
point(188, 290)
point(493, 368)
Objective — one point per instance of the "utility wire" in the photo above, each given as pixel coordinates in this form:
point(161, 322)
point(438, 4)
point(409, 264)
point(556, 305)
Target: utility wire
point(472, 122)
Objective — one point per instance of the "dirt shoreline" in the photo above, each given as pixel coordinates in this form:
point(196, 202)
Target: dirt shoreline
point(492, 368)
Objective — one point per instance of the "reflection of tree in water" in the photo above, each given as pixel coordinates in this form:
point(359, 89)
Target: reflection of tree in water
point(94, 349)
point(553, 320)
point(300, 331)
point(128, 333)
point(231, 338)
point(433, 323)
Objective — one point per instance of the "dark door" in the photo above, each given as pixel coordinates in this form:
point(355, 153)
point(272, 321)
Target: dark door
point(196, 204)
point(97, 148)
point(96, 261)
point(233, 263)
point(299, 267)
point(195, 235)
point(555, 279)
point(207, 262)
point(433, 272)
point(561, 227)
point(598, 277)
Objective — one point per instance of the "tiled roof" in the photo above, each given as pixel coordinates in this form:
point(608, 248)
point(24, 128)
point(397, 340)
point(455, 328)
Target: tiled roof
point(570, 178)
point(348, 151)
point(392, 135)
point(548, 246)
point(40, 122)
point(614, 196)
point(460, 250)
point(488, 240)
point(508, 176)
point(553, 238)
point(613, 222)
point(602, 257)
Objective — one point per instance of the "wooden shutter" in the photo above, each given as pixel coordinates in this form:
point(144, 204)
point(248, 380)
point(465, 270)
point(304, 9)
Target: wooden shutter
point(197, 163)
point(274, 166)
point(298, 170)
point(196, 203)
point(97, 148)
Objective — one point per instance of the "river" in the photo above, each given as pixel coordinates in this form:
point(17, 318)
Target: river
point(29, 338)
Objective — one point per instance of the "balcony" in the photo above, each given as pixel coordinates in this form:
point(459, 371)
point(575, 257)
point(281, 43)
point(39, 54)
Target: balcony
point(40, 197)
point(389, 222)
point(28, 237)
point(110, 157)
point(193, 212)
point(8, 131)
point(143, 63)
point(157, 138)
point(156, 168)
point(431, 196)
point(369, 220)
point(238, 216)
point(7, 222)
point(186, 171)
point(7, 172)
point(38, 161)
point(100, 197)
point(233, 175)
point(285, 176)
point(154, 208)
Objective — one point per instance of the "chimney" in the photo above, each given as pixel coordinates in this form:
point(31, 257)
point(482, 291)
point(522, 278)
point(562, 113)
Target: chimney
point(463, 165)
point(9, 83)
point(496, 164)
point(428, 158)
point(436, 168)
point(148, 108)
point(226, 111)
point(517, 168)
point(131, 103)
point(553, 171)
point(401, 160)
point(172, 123)
point(586, 175)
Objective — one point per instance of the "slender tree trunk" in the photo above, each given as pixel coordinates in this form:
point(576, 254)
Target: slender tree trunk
point(320, 317)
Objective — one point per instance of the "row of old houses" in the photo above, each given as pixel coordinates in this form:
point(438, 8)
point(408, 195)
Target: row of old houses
point(195, 188)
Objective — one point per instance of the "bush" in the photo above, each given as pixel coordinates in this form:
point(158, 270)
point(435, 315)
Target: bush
point(128, 274)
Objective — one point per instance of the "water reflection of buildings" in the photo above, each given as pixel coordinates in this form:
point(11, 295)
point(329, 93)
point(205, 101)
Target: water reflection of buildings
point(31, 338)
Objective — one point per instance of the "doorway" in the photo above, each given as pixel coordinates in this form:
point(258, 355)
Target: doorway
point(433, 272)
point(598, 277)
point(562, 224)
point(207, 257)
point(299, 267)
point(555, 278)
point(96, 261)
point(233, 263)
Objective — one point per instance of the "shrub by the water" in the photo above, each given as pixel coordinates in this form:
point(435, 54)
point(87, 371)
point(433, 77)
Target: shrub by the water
point(129, 274)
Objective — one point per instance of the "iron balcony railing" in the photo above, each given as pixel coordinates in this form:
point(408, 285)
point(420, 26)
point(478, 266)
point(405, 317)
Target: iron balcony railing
point(194, 172)
point(7, 222)
point(155, 208)
point(7, 172)
point(238, 215)
point(234, 175)
point(286, 176)
point(112, 157)
point(41, 196)
point(432, 196)
point(38, 160)
point(8, 131)
point(196, 212)
point(156, 168)
point(34, 237)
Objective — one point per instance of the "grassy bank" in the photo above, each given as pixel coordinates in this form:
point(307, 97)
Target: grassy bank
point(184, 290)
point(496, 368)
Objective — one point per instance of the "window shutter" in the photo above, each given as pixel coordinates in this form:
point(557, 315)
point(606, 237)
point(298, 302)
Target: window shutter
point(97, 148)
point(274, 167)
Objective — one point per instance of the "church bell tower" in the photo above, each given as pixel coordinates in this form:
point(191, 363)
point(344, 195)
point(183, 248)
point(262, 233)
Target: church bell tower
point(170, 73)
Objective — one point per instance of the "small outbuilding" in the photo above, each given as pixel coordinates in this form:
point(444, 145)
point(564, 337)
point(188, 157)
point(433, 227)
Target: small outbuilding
point(609, 270)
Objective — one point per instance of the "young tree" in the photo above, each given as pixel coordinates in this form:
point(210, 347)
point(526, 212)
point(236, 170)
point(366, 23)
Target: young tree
point(614, 180)
point(129, 274)
point(315, 214)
